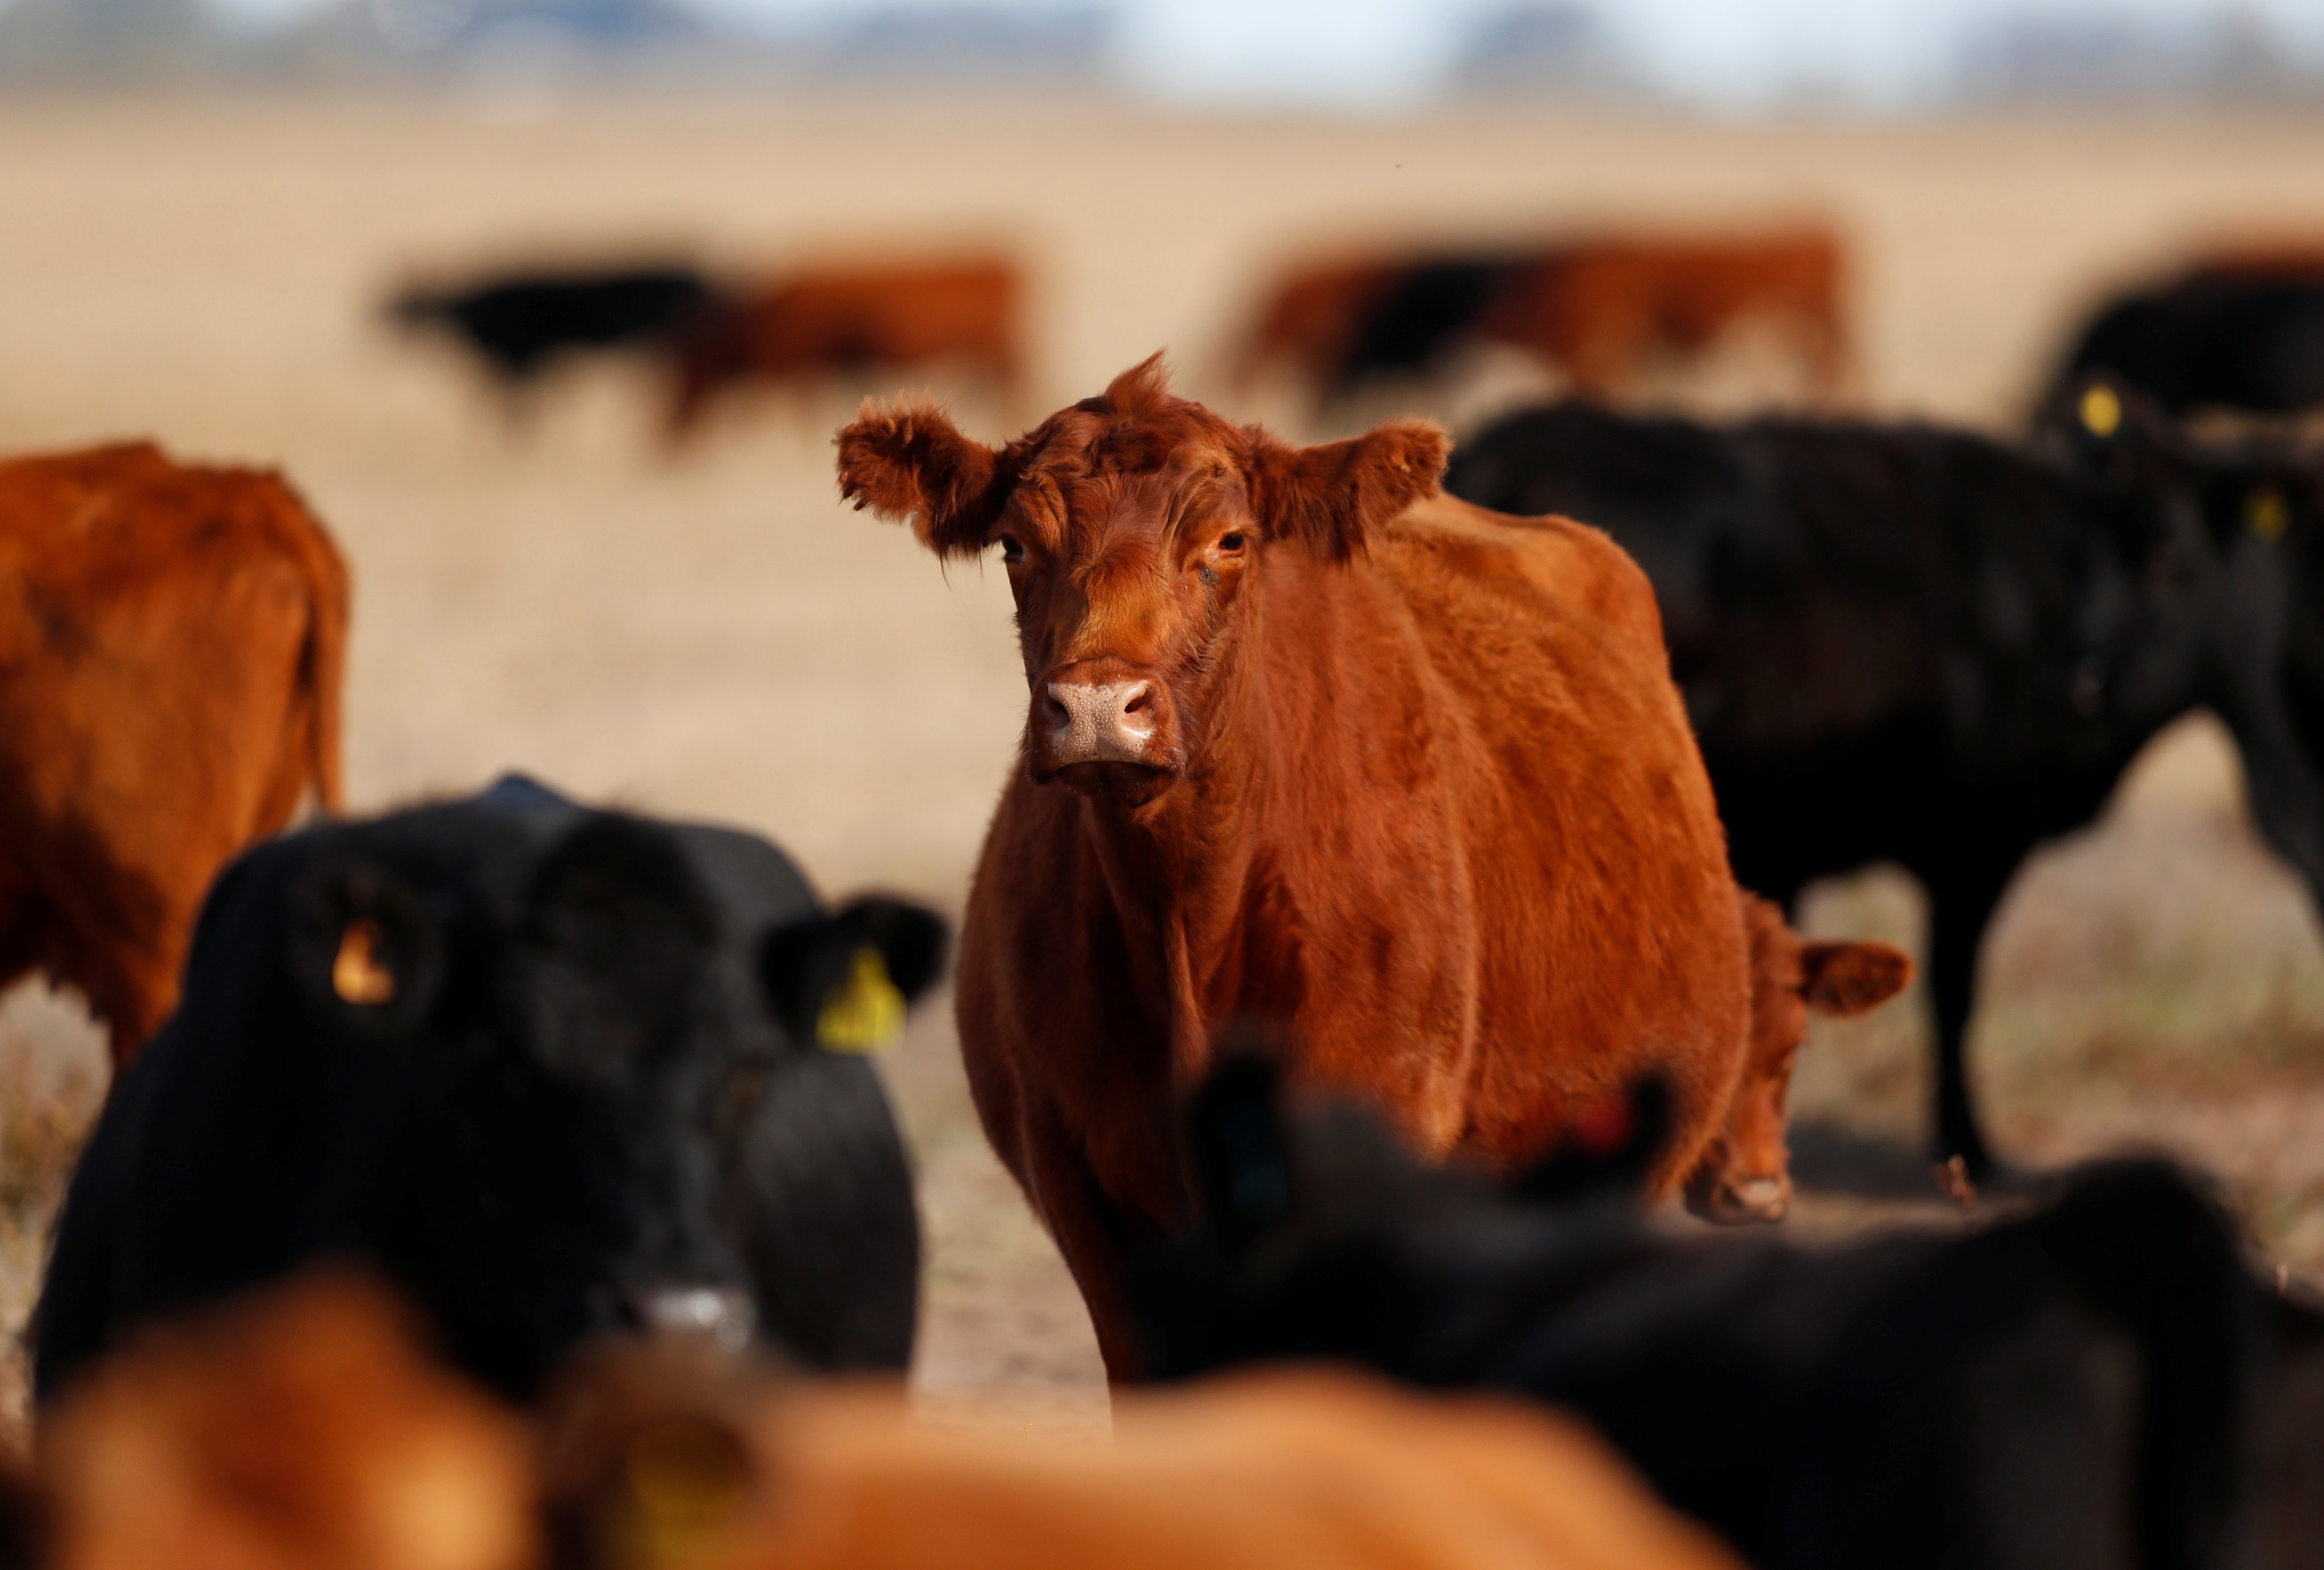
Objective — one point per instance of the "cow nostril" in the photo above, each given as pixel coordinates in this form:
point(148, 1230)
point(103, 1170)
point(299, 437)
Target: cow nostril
point(1058, 716)
point(1140, 701)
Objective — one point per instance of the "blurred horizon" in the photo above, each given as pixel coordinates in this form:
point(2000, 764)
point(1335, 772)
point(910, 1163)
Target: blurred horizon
point(1747, 57)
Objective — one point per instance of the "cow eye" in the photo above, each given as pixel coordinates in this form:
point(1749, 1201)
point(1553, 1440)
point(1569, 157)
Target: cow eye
point(1231, 543)
point(1012, 550)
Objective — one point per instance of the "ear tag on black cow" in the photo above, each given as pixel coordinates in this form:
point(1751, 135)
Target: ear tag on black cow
point(864, 1011)
point(2101, 410)
point(2265, 514)
point(360, 973)
point(688, 1480)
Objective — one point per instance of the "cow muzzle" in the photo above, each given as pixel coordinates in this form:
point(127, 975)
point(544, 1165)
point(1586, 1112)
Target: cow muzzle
point(722, 1315)
point(1103, 733)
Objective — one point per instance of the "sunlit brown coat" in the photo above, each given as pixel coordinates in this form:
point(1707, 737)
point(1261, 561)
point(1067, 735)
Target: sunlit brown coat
point(171, 639)
point(1313, 744)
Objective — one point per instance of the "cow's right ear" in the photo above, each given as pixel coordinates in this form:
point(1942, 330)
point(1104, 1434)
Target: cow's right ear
point(843, 982)
point(1842, 980)
point(364, 948)
point(910, 462)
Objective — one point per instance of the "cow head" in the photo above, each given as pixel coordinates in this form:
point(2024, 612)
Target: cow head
point(638, 1096)
point(1138, 530)
point(554, 1072)
point(2228, 526)
point(1746, 1173)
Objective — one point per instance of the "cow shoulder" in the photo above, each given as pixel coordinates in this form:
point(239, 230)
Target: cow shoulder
point(1576, 572)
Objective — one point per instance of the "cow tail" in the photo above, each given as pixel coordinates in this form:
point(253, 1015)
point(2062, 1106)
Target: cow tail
point(322, 665)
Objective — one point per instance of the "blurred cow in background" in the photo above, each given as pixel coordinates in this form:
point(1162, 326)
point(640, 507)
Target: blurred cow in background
point(962, 313)
point(1600, 311)
point(171, 644)
point(2242, 331)
point(551, 1071)
point(521, 324)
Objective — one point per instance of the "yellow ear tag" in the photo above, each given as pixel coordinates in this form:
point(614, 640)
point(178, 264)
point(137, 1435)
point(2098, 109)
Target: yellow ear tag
point(2265, 513)
point(359, 974)
point(2101, 410)
point(864, 1012)
point(687, 1481)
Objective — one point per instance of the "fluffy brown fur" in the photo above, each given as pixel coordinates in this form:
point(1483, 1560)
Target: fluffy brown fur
point(656, 1463)
point(171, 640)
point(1745, 1174)
point(299, 1431)
point(1422, 796)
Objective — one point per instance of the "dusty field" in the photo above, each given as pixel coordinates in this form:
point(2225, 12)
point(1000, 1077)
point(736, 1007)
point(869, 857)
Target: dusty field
point(717, 638)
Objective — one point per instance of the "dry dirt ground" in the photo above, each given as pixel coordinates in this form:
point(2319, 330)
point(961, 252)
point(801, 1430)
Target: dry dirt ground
point(716, 637)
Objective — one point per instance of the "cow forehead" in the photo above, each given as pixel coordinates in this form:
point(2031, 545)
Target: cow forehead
point(1084, 515)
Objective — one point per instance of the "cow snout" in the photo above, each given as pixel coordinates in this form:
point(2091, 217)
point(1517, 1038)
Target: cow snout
point(723, 1314)
point(1099, 722)
point(1738, 1199)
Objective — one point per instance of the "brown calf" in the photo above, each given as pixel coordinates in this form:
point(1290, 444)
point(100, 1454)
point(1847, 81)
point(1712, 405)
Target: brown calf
point(171, 639)
point(1312, 742)
point(849, 319)
point(1745, 1174)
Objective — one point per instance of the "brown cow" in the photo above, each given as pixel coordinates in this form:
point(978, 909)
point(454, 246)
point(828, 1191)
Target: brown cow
point(1312, 743)
point(840, 319)
point(301, 1430)
point(1599, 310)
point(659, 1459)
point(1745, 1175)
point(171, 639)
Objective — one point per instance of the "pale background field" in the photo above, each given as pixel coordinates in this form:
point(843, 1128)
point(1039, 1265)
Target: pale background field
point(717, 638)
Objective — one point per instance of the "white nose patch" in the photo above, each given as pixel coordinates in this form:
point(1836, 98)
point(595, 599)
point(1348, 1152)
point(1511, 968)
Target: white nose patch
point(1093, 722)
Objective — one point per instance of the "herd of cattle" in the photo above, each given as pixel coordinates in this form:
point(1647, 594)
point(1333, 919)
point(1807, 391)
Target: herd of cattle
point(1386, 917)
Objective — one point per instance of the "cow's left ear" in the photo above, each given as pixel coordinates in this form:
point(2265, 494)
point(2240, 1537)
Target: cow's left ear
point(843, 982)
point(910, 462)
point(1332, 497)
point(1845, 979)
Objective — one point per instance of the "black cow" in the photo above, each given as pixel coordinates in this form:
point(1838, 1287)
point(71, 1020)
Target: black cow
point(2093, 1383)
point(552, 1071)
point(2218, 337)
point(1911, 645)
point(519, 324)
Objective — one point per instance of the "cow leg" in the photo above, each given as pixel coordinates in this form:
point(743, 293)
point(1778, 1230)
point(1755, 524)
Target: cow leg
point(1092, 1232)
point(1960, 905)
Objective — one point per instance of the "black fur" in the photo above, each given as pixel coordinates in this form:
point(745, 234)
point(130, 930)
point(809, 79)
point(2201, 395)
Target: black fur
point(579, 1092)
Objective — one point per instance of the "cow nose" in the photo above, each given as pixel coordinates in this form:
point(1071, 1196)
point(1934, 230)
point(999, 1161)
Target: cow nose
point(1099, 722)
point(723, 1314)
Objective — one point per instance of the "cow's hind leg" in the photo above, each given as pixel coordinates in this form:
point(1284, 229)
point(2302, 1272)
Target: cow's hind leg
point(1961, 907)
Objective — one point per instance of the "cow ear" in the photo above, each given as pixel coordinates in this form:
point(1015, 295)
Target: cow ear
point(844, 982)
point(1241, 1148)
point(910, 462)
point(2102, 427)
point(1845, 979)
point(1610, 1149)
point(1333, 495)
point(364, 948)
